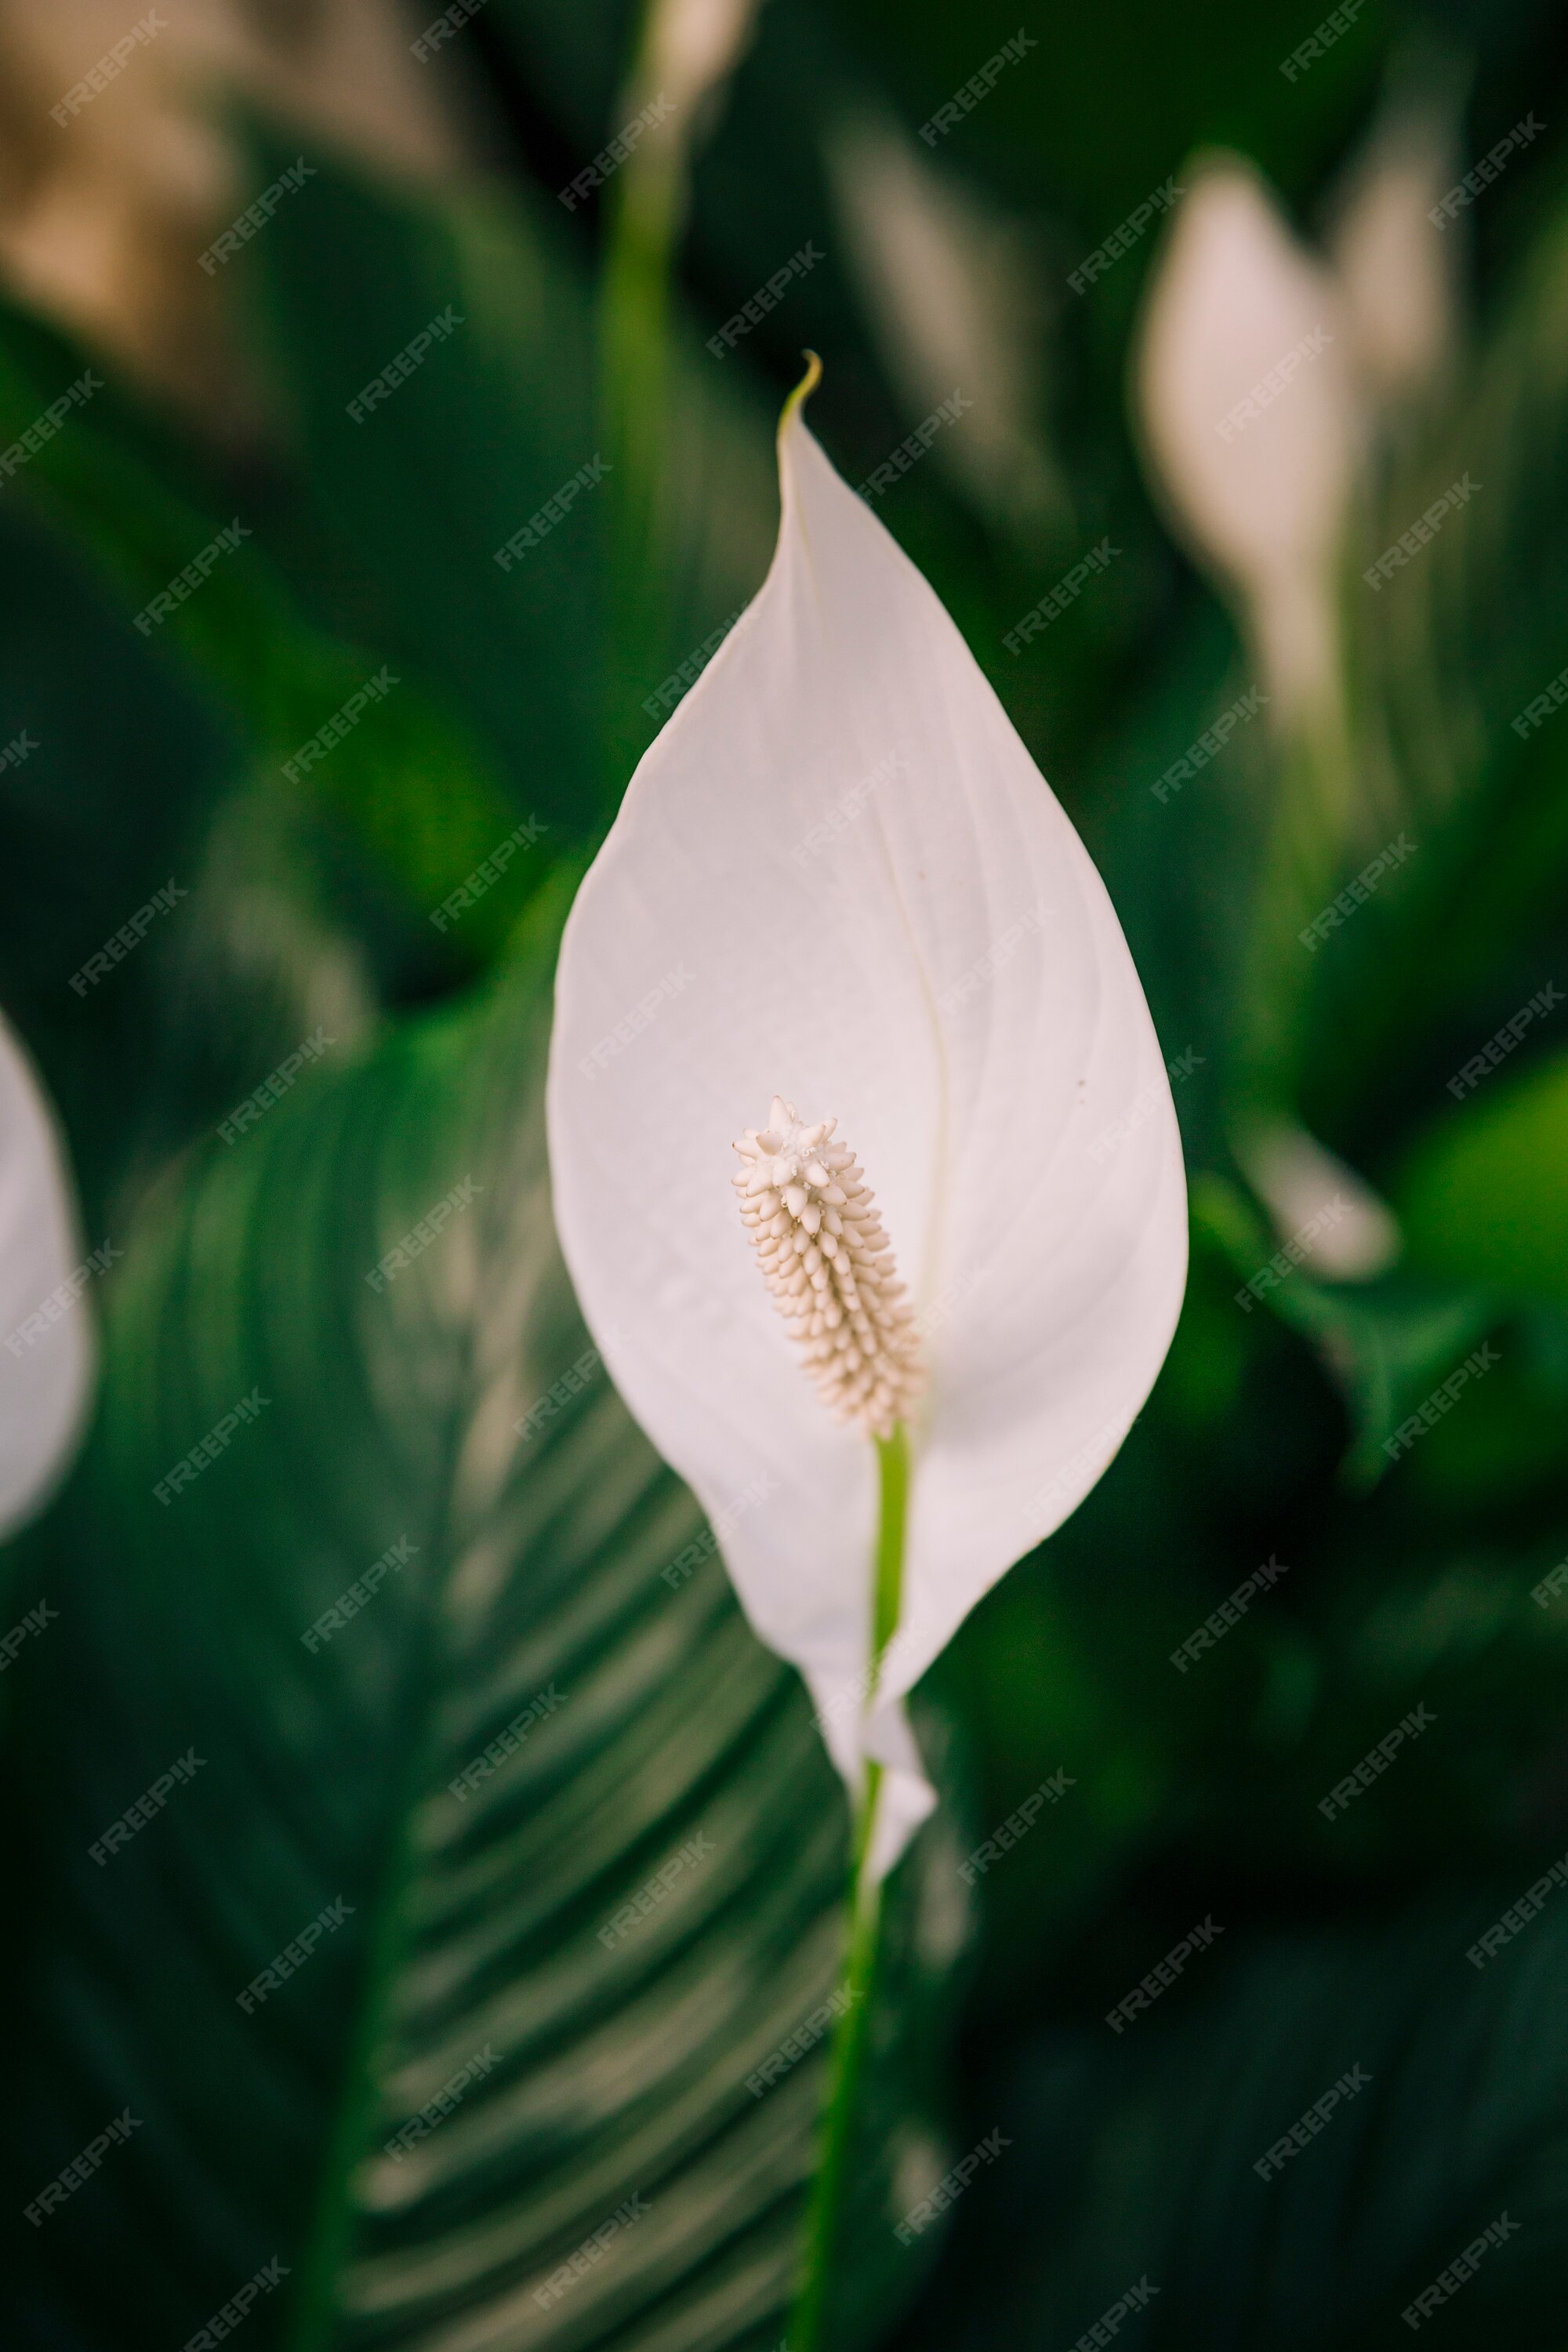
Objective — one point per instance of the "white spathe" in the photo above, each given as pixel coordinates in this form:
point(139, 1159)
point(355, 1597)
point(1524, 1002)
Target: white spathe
point(838, 877)
point(44, 1378)
point(1251, 411)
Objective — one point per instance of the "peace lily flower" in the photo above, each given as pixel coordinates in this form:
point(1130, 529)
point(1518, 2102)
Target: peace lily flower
point(1248, 409)
point(46, 1360)
point(840, 939)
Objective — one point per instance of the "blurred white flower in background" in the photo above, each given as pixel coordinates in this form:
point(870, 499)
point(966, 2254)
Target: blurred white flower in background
point(952, 289)
point(690, 49)
point(1397, 276)
point(102, 215)
point(1250, 417)
point(47, 1344)
point(1264, 371)
point(1346, 1233)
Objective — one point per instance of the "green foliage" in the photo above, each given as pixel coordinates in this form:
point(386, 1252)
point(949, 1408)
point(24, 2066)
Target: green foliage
point(1411, 1580)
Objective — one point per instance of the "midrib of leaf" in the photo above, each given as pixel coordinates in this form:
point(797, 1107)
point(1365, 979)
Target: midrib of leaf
point(328, 2243)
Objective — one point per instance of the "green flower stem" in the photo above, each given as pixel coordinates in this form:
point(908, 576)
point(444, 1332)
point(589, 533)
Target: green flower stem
point(857, 1981)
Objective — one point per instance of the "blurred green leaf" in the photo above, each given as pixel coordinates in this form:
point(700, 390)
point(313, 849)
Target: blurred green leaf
point(1483, 1198)
point(1134, 2158)
point(412, 785)
point(487, 1872)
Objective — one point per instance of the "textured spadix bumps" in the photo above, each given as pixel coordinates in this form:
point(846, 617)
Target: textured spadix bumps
point(828, 1261)
point(874, 905)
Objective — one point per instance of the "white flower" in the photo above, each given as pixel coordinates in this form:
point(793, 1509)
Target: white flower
point(838, 878)
point(47, 1355)
point(1248, 407)
point(951, 288)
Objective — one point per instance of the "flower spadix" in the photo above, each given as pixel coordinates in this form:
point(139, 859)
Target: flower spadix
point(828, 1261)
point(839, 887)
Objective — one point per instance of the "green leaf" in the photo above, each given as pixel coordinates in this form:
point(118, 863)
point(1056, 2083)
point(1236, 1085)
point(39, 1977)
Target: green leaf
point(414, 786)
point(535, 1796)
point(1482, 1197)
point(1134, 2157)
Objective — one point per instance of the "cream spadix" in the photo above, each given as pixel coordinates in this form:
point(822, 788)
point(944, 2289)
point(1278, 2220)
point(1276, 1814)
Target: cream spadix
point(837, 873)
point(826, 1259)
